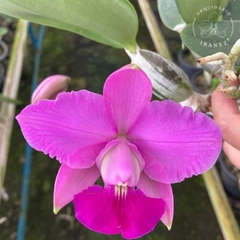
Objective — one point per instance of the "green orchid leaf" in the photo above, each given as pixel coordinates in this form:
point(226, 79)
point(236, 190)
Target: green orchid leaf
point(232, 9)
point(3, 31)
point(111, 22)
point(168, 80)
point(219, 36)
point(169, 13)
point(198, 11)
point(5, 18)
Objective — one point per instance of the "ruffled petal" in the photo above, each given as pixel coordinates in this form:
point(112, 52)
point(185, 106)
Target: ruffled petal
point(74, 128)
point(129, 90)
point(155, 189)
point(133, 216)
point(141, 214)
point(96, 209)
point(120, 163)
point(174, 142)
point(71, 181)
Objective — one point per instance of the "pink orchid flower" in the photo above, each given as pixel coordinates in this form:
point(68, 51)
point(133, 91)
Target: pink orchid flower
point(138, 147)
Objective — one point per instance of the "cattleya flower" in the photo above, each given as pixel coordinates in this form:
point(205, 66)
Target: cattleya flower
point(138, 147)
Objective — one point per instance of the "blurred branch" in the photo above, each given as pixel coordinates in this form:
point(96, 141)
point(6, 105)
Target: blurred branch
point(221, 206)
point(10, 90)
point(153, 28)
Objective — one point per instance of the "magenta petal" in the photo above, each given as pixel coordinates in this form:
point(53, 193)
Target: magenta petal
point(155, 189)
point(129, 90)
point(100, 210)
point(96, 209)
point(74, 127)
point(71, 181)
point(175, 142)
point(141, 214)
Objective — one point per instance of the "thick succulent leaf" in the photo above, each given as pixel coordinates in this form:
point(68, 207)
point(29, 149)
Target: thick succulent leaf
point(169, 13)
point(212, 31)
point(204, 44)
point(111, 22)
point(233, 9)
point(168, 80)
point(196, 10)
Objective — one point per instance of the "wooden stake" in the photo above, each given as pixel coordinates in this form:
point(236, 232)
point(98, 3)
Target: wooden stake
point(10, 90)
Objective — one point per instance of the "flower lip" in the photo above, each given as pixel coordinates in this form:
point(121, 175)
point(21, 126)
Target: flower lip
point(133, 216)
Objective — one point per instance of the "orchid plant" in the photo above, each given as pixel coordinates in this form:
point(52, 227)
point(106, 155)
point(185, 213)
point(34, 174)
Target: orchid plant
point(119, 152)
